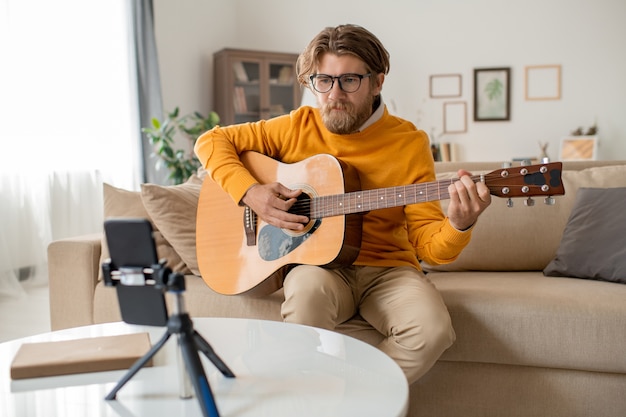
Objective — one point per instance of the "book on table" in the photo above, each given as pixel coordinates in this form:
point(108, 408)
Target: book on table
point(93, 354)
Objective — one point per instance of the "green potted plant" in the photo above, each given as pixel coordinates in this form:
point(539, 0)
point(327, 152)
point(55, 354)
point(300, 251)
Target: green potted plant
point(162, 134)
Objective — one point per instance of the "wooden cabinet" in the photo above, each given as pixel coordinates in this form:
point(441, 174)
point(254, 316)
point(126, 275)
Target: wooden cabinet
point(254, 85)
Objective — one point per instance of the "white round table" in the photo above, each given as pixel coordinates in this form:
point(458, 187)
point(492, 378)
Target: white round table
point(281, 370)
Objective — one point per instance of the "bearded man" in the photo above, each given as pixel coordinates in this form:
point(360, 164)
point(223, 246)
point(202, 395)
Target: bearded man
point(345, 67)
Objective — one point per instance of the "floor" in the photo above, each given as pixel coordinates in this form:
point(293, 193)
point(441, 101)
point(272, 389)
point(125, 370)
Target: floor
point(25, 315)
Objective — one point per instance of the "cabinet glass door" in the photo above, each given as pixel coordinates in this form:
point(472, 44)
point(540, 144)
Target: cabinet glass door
point(281, 87)
point(247, 93)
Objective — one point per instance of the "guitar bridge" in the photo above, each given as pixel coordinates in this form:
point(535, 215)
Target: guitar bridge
point(249, 225)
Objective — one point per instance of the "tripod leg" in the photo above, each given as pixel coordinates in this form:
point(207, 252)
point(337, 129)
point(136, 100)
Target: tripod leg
point(186, 390)
point(206, 348)
point(197, 375)
point(138, 365)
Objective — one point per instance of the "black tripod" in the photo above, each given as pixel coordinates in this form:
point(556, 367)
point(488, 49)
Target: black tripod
point(189, 341)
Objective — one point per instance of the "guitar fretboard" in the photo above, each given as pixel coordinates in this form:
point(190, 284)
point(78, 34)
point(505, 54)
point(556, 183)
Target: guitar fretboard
point(367, 200)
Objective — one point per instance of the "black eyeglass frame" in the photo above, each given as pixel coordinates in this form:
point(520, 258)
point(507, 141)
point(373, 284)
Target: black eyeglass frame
point(312, 77)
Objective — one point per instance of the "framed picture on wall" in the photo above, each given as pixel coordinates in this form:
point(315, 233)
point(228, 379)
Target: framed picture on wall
point(454, 117)
point(445, 85)
point(543, 82)
point(492, 94)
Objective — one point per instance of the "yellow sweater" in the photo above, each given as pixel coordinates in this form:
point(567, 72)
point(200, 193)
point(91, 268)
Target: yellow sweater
point(390, 152)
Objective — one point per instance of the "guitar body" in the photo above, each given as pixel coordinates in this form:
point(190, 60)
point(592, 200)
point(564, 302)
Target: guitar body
point(230, 263)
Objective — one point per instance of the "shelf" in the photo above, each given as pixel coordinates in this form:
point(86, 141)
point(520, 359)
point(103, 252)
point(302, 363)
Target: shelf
point(254, 85)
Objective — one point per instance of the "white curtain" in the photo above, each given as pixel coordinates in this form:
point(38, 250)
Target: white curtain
point(68, 122)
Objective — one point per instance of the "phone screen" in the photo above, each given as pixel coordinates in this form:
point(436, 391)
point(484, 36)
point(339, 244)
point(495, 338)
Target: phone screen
point(132, 249)
point(130, 242)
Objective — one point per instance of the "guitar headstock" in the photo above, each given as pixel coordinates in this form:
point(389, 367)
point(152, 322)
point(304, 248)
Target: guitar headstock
point(526, 181)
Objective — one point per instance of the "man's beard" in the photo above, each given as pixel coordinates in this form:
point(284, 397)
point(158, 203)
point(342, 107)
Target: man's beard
point(343, 118)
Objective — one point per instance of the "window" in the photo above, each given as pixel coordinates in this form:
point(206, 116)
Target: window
point(69, 120)
point(68, 98)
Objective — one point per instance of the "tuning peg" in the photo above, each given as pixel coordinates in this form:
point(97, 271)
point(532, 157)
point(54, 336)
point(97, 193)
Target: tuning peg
point(529, 202)
point(549, 201)
point(509, 203)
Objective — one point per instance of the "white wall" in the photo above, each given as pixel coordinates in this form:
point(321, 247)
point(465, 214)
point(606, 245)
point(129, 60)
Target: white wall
point(188, 32)
point(426, 37)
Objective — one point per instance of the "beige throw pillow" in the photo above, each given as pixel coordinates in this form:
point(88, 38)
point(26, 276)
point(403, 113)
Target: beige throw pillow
point(173, 211)
point(120, 203)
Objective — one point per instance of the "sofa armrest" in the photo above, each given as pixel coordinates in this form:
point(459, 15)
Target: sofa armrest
point(73, 269)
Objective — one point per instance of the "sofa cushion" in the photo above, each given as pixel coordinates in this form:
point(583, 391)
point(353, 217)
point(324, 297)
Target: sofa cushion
point(594, 242)
point(173, 211)
point(524, 238)
point(120, 203)
point(202, 301)
point(528, 319)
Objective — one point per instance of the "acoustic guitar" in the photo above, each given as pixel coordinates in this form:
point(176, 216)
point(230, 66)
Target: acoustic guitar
point(239, 253)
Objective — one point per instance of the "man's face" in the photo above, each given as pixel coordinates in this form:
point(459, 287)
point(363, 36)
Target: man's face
point(344, 113)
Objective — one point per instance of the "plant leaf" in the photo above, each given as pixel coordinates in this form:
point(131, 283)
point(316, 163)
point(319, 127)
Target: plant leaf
point(164, 133)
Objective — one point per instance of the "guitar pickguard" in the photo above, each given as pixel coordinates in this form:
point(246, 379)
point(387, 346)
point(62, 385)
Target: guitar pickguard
point(274, 243)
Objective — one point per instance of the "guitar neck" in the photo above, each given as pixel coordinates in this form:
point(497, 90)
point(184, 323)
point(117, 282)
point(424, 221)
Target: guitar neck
point(524, 181)
point(368, 200)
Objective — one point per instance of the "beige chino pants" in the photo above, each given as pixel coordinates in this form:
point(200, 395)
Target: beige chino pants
point(399, 302)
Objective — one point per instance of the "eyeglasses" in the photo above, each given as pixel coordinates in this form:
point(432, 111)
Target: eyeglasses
point(349, 83)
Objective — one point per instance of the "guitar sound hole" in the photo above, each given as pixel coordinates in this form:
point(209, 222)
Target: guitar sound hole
point(302, 207)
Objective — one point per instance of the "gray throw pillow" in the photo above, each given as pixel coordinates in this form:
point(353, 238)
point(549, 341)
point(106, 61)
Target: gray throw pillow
point(593, 245)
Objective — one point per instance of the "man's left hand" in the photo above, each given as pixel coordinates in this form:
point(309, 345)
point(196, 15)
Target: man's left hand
point(467, 201)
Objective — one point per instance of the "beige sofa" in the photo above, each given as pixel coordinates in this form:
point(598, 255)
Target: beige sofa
point(527, 344)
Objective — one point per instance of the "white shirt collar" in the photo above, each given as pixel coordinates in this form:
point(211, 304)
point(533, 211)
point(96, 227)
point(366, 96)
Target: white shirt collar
point(378, 113)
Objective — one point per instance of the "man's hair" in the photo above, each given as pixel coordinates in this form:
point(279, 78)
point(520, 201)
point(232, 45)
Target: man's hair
point(343, 40)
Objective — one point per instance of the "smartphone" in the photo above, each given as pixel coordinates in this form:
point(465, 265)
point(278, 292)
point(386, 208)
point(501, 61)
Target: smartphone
point(131, 243)
point(133, 253)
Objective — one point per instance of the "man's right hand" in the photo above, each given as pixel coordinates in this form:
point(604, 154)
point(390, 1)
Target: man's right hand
point(271, 202)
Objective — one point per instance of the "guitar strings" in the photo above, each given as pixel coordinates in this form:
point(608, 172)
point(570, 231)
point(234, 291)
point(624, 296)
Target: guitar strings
point(438, 188)
point(441, 185)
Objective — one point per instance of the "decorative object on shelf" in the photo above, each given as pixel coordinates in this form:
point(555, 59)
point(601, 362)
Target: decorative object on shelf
point(442, 151)
point(448, 152)
point(592, 131)
point(544, 157)
point(434, 145)
point(445, 85)
point(543, 82)
point(181, 164)
point(492, 94)
point(579, 148)
point(434, 148)
point(240, 72)
point(285, 75)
